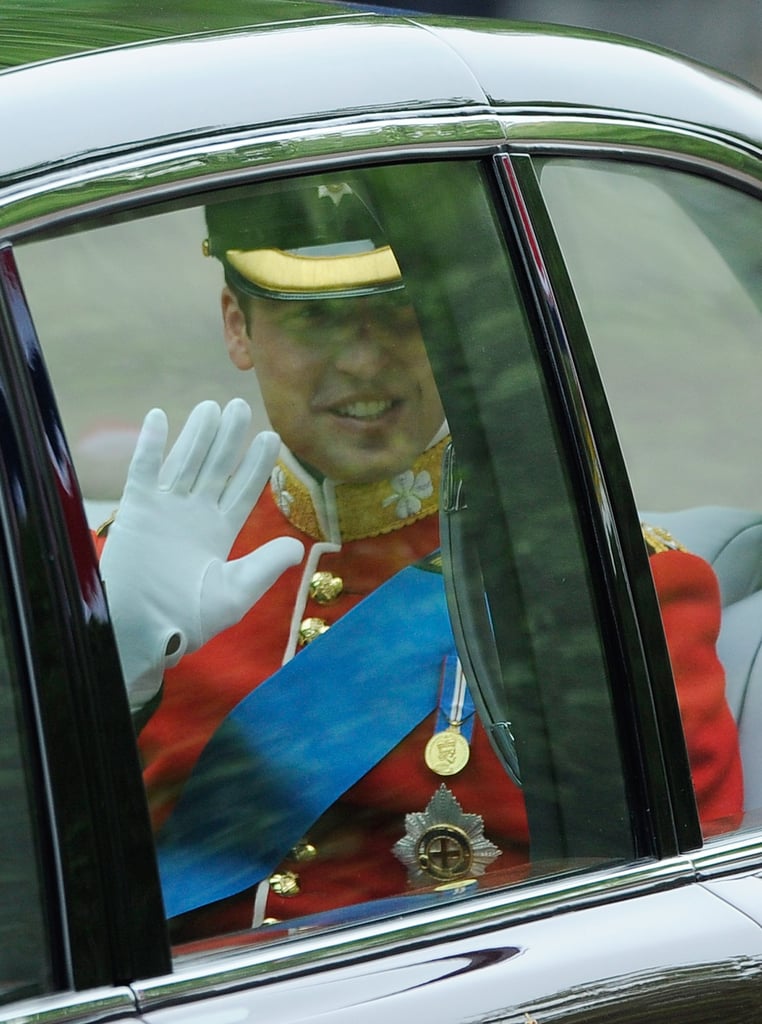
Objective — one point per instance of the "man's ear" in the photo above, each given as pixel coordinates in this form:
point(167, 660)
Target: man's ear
point(236, 333)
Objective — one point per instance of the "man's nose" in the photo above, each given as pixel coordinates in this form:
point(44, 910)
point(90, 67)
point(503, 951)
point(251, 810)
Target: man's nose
point(363, 354)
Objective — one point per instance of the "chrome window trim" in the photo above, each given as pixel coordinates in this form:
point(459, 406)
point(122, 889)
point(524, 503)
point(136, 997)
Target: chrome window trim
point(729, 854)
point(150, 175)
point(592, 127)
point(161, 173)
point(229, 969)
point(629, 139)
point(60, 1007)
point(670, 159)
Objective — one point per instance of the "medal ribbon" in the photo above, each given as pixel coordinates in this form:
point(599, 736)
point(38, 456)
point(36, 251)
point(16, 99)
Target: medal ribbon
point(456, 706)
point(303, 737)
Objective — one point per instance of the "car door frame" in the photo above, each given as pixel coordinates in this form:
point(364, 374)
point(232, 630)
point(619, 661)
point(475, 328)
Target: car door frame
point(739, 166)
point(650, 727)
point(103, 893)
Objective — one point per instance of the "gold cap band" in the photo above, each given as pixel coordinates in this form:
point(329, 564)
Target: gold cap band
point(285, 272)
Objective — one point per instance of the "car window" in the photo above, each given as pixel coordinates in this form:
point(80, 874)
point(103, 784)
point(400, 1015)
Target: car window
point(25, 967)
point(666, 268)
point(399, 718)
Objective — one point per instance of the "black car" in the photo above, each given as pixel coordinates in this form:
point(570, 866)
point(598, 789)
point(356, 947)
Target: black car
point(569, 225)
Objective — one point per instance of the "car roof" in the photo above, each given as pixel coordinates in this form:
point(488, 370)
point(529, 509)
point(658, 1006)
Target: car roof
point(36, 30)
point(104, 92)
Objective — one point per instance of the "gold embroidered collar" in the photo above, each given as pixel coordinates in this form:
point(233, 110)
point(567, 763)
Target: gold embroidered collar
point(658, 540)
point(342, 512)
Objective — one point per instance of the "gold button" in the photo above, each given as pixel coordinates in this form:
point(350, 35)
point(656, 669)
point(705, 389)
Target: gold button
point(311, 628)
point(325, 587)
point(285, 883)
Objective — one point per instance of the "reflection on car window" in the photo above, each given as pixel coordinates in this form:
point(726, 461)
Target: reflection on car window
point(359, 734)
point(666, 268)
point(25, 969)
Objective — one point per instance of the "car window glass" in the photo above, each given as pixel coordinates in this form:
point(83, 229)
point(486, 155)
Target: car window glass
point(666, 269)
point(25, 968)
point(328, 756)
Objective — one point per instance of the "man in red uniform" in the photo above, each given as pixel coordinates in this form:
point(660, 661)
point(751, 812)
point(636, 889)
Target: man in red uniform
point(347, 385)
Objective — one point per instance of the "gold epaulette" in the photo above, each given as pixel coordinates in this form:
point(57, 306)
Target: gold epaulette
point(658, 540)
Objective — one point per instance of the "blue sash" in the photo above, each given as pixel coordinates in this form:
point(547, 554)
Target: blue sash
point(303, 737)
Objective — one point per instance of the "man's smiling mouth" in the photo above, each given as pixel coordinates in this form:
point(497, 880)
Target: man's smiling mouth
point(369, 410)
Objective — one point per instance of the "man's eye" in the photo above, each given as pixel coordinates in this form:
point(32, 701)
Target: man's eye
point(316, 319)
point(297, 318)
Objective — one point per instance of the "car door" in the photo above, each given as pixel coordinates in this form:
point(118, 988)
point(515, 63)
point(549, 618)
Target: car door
point(549, 595)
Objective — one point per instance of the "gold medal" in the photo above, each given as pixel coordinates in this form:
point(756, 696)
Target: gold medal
point(447, 752)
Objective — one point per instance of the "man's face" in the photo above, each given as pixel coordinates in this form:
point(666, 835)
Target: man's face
point(346, 382)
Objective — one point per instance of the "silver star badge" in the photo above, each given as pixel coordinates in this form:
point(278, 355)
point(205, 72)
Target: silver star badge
point(443, 843)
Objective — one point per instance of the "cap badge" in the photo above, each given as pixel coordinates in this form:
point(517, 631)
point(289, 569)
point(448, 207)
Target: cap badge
point(335, 192)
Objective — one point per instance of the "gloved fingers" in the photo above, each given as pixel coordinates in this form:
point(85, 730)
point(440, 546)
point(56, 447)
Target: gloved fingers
point(187, 455)
point(143, 472)
point(225, 452)
point(251, 475)
point(230, 589)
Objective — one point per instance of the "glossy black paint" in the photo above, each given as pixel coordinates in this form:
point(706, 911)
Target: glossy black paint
point(604, 963)
point(112, 926)
point(720, 988)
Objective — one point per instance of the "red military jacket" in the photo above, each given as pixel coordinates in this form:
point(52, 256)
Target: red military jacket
point(361, 535)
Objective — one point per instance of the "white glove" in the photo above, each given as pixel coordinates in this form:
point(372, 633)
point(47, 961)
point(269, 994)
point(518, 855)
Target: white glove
point(169, 585)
